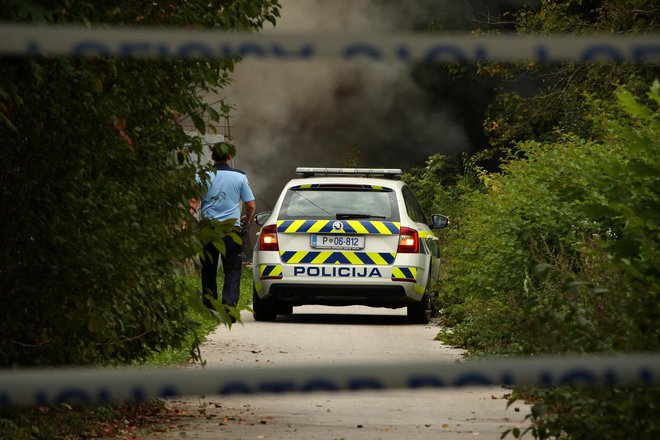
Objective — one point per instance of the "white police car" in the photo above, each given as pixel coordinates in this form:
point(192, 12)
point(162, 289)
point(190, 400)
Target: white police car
point(345, 236)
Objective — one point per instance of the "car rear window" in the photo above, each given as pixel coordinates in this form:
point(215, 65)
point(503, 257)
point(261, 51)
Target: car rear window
point(340, 202)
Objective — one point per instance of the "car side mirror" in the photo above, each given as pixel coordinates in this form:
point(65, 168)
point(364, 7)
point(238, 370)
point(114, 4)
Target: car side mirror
point(262, 217)
point(439, 221)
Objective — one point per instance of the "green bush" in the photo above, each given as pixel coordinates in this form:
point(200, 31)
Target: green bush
point(593, 413)
point(429, 184)
point(534, 201)
point(94, 182)
point(552, 256)
point(559, 254)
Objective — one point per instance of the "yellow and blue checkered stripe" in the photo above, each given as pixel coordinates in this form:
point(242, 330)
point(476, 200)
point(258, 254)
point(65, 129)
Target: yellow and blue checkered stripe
point(404, 273)
point(407, 274)
point(348, 227)
point(270, 271)
point(337, 257)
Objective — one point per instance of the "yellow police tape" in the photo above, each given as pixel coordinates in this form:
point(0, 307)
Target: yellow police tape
point(82, 386)
point(22, 39)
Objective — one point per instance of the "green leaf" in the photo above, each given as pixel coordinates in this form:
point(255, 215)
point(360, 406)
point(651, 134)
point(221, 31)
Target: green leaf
point(654, 92)
point(630, 104)
point(8, 122)
point(214, 115)
point(198, 122)
point(220, 246)
point(237, 238)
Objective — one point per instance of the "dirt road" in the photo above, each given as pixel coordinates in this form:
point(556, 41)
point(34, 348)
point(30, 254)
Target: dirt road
point(322, 335)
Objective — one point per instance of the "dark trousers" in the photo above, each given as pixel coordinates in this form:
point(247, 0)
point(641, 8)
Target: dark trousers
point(232, 266)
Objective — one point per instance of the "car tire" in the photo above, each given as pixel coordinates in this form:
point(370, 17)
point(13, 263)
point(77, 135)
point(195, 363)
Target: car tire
point(264, 309)
point(284, 308)
point(420, 312)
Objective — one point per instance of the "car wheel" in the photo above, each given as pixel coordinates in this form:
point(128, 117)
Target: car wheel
point(264, 309)
point(418, 313)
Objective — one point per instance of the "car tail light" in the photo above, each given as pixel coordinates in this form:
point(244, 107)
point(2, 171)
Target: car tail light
point(408, 241)
point(268, 239)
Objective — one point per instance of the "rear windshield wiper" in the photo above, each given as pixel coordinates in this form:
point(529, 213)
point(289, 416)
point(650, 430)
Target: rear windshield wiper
point(350, 216)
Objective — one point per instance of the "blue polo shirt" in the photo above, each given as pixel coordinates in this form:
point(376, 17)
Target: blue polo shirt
point(226, 188)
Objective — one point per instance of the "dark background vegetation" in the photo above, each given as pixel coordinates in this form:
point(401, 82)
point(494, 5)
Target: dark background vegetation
point(554, 199)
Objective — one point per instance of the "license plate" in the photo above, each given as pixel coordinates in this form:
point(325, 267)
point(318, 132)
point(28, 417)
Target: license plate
point(337, 241)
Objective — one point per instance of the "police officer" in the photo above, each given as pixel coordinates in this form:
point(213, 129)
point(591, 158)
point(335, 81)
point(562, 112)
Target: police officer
point(226, 188)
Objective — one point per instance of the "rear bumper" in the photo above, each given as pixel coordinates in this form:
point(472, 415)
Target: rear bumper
point(337, 295)
point(393, 285)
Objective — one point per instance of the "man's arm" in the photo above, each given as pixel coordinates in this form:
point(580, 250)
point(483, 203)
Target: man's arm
point(250, 208)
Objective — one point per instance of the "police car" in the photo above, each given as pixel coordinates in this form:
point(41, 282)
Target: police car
point(345, 236)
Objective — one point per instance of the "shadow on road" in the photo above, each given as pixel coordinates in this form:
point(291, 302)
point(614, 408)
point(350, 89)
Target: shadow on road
point(344, 319)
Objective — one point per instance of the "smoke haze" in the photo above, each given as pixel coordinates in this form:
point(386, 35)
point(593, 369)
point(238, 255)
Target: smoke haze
point(297, 113)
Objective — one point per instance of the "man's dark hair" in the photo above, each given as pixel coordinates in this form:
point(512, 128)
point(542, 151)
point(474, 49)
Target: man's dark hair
point(223, 151)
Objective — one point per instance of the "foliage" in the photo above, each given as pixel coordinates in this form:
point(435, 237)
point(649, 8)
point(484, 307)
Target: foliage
point(532, 245)
point(589, 284)
point(66, 422)
point(106, 421)
point(631, 199)
point(429, 183)
point(531, 200)
point(94, 180)
point(119, 420)
point(203, 322)
point(439, 185)
point(592, 413)
point(560, 254)
point(557, 98)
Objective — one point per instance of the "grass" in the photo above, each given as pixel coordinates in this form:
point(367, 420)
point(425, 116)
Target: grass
point(65, 422)
point(206, 323)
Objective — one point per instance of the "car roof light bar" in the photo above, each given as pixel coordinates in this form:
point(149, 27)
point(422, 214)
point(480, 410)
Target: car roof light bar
point(390, 173)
